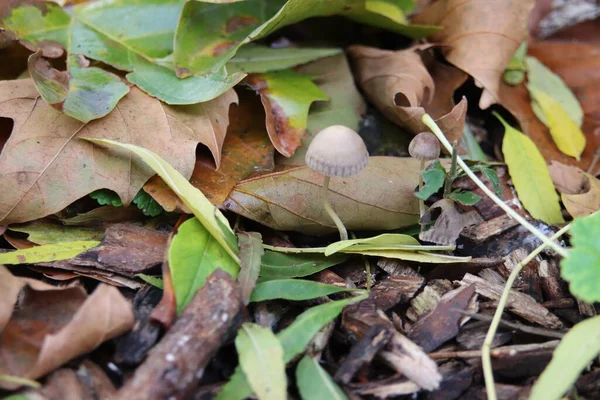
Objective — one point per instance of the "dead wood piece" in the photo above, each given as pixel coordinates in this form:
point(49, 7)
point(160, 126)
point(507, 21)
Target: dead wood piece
point(176, 364)
point(443, 323)
point(518, 326)
point(133, 346)
point(519, 303)
point(329, 277)
point(426, 301)
point(503, 392)
point(389, 390)
point(397, 267)
point(459, 270)
point(559, 303)
point(529, 281)
point(89, 272)
point(490, 275)
point(514, 350)
point(456, 378)
point(363, 352)
point(127, 249)
point(586, 309)
point(471, 336)
point(589, 384)
point(553, 287)
point(320, 340)
point(358, 318)
point(481, 232)
point(409, 359)
point(395, 290)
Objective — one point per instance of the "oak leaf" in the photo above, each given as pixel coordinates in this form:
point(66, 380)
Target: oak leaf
point(45, 167)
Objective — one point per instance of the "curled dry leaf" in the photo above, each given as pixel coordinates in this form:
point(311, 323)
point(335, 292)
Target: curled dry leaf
point(403, 89)
point(580, 192)
point(66, 168)
point(246, 150)
point(471, 27)
point(291, 199)
point(449, 224)
point(65, 322)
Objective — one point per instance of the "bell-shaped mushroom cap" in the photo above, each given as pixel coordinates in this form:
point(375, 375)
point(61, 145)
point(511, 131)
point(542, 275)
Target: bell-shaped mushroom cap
point(425, 146)
point(337, 151)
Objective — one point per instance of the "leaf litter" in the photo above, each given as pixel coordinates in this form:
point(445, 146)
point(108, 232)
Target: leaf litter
point(200, 114)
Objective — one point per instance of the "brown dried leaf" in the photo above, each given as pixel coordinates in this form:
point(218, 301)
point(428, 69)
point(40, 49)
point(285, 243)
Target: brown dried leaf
point(580, 192)
point(400, 86)
point(54, 325)
point(246, 150)
point(291, 199)
point(479, 37)
point(566, 178)
point(66, 168)
point(449, 224)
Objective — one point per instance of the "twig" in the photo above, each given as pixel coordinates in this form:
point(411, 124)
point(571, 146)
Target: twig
point(487, 343)
point(430, 123)
point(523, 328)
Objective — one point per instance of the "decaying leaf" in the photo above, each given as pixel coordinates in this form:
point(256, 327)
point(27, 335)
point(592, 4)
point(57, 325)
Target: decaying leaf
point(66, 168)
point(251, 252)
point(46, 253)
point(401, 87)
point(286, 96)
point(471, 27)
point(449, 224)
point(580, 191)
point(290, 199)
point(45, 232)
point(54, 325)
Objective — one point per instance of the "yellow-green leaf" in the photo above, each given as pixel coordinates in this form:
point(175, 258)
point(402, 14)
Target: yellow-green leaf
point(47, 253)
point(566, 134)
point(387, 241)
point(530, 175)
point(212, 219)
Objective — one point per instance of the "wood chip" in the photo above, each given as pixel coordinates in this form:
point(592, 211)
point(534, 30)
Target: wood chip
point(426, 301)
point(481, 232)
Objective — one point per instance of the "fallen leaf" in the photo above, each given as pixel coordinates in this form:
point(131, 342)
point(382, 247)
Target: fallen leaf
point(54, 325)
point(246, 150)
point(290, 199)
point(587, 201)
point(345, 106)
point(261, 358)
point(255, 58)
point(314, 383)
point(386, 241)
point(286, 96)
point(541, 78)
point(472, 26)
point(566, 178)
point(275, 265)
point(66, 168)
point(100, 216)
point(251, 252)
point(47, 252)
point(449, 224)
point(209, 35)
point(139, 46)
point(46, 232)
point(566, 134)
point(530, 176)
point(400, 86)
point(293, 289)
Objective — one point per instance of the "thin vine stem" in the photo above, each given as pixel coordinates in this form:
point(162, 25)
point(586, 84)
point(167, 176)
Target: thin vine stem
point(430, 123)
point(486, 359)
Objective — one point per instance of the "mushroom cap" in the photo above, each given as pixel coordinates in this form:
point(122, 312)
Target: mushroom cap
point(425, 146)
point(337, 151)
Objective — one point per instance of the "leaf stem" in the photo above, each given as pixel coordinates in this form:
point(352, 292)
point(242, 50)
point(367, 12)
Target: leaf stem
point(338, 222)
point(486, 359)
point(430, 123)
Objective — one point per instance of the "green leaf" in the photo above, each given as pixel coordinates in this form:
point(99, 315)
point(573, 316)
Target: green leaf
point(293, 339)
point(540, 77)
point(44, 232)
point(142, 46)
point(254, 58)
point(261, 358)
point(474, 151)
point(293, 289)
point(492, 178)
point(212, 219)
point(388, 241)
point(418, 256)
point(251, 252)
point(566, 134)
point(581, 267)
point(576, 351)
point(275, 265)
point(152, 280)
point(467, 198)
point(147, 204)
point(106, 197)
point(286, 96)
point(530, 175)
point(314, 383)
point(47, 252)
point(194, 254)
point(433, 180)
point(209, 34)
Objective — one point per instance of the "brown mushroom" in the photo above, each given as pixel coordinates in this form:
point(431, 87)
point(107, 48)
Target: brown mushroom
point(336, 151)
point(425, 147)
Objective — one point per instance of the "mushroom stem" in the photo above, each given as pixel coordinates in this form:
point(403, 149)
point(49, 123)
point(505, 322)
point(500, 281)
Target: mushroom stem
point(421, 202)
point(332, 214)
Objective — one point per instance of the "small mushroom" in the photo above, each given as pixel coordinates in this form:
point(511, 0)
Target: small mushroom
point(425, 147)
point(336, 151)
